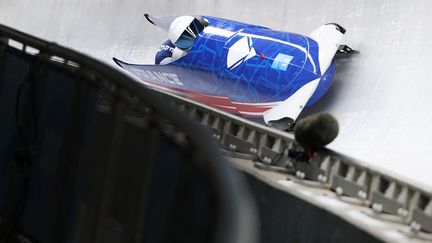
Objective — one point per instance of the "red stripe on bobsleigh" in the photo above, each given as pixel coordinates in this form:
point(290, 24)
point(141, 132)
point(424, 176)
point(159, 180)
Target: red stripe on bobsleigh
point(249, 110)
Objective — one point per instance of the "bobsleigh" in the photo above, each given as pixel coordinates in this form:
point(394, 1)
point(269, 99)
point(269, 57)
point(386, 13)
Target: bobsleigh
point(248, 70)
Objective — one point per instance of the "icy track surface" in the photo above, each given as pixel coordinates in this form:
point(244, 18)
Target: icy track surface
point(382, 97)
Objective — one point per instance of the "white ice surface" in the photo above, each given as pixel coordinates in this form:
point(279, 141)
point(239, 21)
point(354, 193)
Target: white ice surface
point(381, 96)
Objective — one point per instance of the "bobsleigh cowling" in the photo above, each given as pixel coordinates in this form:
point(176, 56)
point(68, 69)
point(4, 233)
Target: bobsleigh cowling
point(248, 70)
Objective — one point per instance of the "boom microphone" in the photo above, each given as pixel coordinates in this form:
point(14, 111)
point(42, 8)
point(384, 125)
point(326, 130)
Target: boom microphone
point(316, 131)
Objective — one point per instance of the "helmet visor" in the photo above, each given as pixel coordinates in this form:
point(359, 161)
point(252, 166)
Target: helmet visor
point(186, 39)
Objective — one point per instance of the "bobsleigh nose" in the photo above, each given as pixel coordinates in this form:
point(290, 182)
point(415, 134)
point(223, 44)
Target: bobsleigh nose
point(338, 27)
point(328, 38)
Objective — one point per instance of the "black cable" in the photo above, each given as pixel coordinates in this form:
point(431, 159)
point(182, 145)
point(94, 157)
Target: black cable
point(17, 113)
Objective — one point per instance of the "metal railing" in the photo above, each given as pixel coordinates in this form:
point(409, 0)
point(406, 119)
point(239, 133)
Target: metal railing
point(346, 176)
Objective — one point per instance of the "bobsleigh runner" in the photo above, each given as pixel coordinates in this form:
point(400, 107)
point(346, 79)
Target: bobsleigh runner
point(248, 70)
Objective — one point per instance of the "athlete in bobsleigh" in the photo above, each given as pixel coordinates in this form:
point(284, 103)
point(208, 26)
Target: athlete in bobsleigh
point(182, 33)
point(248, 70)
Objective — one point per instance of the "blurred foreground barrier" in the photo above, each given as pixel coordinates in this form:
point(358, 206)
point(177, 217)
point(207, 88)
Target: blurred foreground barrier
point(89, 155)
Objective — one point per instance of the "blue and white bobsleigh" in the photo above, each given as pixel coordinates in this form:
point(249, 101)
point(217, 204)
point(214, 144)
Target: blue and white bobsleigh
point(249, 70)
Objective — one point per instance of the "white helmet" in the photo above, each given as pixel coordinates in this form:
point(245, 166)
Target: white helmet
point(184, 29)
